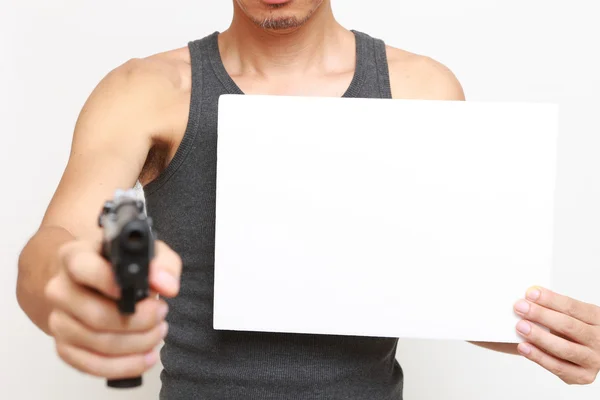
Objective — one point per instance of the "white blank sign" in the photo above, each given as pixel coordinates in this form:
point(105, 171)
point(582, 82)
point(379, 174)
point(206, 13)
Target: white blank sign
point(378, 217)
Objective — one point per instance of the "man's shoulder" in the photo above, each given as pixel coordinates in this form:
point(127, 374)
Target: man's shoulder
point(167, 70)
point(156, 88)
point(416, 76)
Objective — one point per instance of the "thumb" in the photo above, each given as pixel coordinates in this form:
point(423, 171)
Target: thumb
point(165, 271)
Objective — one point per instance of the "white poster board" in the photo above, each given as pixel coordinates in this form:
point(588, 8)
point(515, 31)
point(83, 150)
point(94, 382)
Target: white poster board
point(373, 217)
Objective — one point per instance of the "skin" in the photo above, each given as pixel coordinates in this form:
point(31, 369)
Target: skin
point(129, 130)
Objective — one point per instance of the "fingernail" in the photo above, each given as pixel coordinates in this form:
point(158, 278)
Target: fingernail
point(163, 310)
point(164, 328)
point(151, 358)
point(167, 279)
point(524, 348)
point(524, 327)
point(533, 294)
point(522, 307)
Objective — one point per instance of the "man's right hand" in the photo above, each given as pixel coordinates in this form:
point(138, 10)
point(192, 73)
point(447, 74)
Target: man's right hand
point(90, 333)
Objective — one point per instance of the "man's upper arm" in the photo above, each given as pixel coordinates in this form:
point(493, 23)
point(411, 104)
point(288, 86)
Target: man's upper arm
point(111, 140)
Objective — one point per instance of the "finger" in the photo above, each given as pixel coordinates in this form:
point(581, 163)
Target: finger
point(567, 372)
point(68, 330)
point(557, 346)
point(107, 367)
point(582, 311)
point(87, 267)
point(565, 325)
point(165, 271)
point(99, 313)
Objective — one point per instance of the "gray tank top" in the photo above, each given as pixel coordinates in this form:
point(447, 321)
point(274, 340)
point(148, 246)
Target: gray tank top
point(201, 363)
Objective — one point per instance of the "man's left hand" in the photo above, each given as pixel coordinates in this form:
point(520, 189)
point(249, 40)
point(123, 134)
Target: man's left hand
point(570, 346)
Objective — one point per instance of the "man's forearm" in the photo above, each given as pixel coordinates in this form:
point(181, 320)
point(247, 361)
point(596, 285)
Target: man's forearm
point(37, 265)
point(509, 348)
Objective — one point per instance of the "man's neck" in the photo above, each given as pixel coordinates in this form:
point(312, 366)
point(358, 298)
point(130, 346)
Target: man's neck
point(248, 48)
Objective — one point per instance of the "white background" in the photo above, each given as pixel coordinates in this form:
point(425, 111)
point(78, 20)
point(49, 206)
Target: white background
point(52, 54)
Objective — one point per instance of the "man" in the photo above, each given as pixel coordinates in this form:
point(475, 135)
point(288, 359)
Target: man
point(153, 120)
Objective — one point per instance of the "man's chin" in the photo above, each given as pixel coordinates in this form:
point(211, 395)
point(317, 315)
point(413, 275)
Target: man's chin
point(280, 23)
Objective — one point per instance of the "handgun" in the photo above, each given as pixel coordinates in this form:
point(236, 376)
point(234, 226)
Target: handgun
point(128, 245)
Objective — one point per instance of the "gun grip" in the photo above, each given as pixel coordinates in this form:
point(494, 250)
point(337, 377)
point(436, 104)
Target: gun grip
point(128, 300)
point(124, 383)
point(126, 304)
